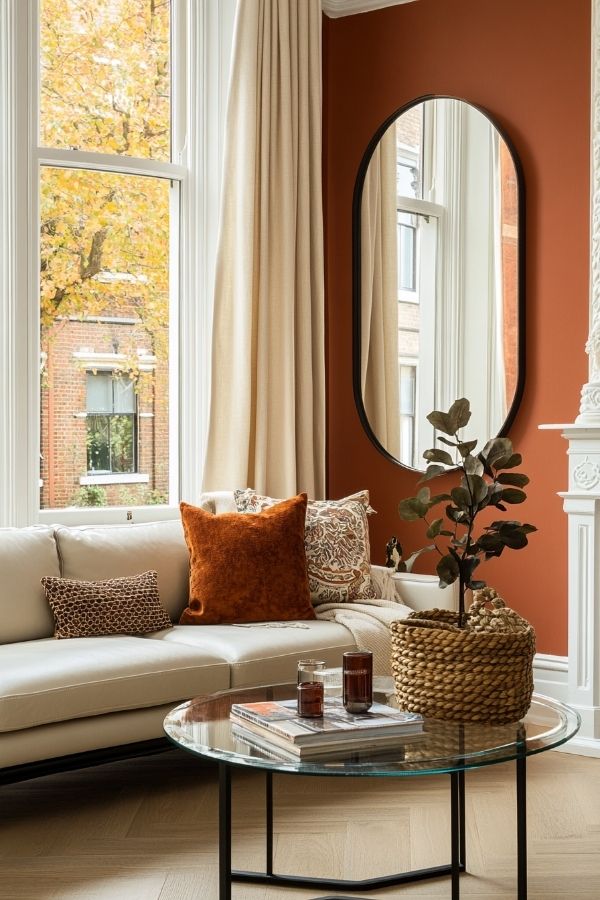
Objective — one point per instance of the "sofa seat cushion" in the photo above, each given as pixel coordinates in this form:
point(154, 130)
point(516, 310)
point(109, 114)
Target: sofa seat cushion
point(52, 681)
point(263, 654)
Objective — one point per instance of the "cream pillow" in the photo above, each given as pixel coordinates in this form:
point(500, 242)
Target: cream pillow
point(336, 540)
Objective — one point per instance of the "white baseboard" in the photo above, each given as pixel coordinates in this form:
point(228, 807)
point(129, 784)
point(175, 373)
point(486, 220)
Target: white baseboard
point(550, 676)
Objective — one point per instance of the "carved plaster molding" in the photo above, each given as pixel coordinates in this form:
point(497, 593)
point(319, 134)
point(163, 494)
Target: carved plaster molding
point(590, 394)
point(587, 474)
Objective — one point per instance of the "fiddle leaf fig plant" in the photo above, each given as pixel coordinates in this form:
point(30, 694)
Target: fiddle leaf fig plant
point(486, 479)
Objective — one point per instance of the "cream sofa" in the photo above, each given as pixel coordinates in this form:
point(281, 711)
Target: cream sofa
point(66, 703)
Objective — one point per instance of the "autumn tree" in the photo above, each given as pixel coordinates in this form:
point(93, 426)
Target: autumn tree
point(105, 86)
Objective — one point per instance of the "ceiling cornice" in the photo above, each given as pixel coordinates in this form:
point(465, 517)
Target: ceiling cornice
point(337, 8)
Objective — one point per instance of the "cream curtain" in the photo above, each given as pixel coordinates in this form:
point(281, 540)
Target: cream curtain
point(379, 295)
point(267, 418)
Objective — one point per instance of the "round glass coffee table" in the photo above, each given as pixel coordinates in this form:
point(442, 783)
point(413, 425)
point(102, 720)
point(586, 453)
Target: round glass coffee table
point(202, 727)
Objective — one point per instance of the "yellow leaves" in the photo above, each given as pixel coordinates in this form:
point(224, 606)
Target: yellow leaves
point(87, 100)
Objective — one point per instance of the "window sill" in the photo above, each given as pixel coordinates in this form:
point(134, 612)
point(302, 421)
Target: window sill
point(111, 478)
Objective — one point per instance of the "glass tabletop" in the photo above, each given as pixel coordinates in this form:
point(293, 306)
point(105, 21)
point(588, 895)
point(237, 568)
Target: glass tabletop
point(202, 726)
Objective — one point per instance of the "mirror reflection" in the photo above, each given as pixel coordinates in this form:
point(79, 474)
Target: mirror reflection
point(438, 290)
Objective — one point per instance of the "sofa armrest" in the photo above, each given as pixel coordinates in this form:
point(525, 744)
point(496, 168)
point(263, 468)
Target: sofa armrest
point(422, 591)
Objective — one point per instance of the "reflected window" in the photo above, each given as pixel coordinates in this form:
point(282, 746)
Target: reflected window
point(408, 403)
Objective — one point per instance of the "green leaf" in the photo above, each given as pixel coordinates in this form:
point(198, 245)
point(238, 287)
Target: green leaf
point(414, 556)
point(478, 487)
point(432, 472)
point(423, 495)
point(456, 515)
point(460, 413)
point(442, 422)
point(516, 478)
point(408, 511)
point(447, 569)
point(466, 447)
point(461, 498)
point(473, 465)
point(437, 498)
point(509, 462)
point(528, 529)
point(439, 456)
point(497, 448)
point(435, 528)
point(513, 495)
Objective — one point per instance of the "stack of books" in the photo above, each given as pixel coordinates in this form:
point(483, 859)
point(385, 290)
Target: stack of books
point(275, 727)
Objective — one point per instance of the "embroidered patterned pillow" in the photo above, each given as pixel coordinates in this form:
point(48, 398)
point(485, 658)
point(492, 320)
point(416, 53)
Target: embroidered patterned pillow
point(336, 540)
point(128, 605)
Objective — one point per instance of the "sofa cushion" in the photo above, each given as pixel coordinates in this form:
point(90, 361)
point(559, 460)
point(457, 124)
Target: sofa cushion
point(247, 568)
point(98, 552)
point(264, 654)
point(52, 681)
point(26, 555)
point(129, 605)
point(338, 553)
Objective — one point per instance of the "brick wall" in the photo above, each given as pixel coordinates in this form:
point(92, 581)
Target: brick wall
point(63, 407)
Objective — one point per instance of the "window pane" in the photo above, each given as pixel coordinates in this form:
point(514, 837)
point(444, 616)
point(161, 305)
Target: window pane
point(104, 303)
point(105, 76)
point(99, 393)
point(122, 444)
point(407, 247)
point(123, 395)
point(98, 444)
point(409, 142)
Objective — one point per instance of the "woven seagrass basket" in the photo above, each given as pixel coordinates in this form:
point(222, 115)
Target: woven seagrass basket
point(480, 673)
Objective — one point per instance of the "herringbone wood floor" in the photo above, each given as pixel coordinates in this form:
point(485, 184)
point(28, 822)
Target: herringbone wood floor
point(146, 830)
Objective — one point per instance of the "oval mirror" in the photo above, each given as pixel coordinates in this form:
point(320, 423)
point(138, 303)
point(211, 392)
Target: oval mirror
point(438, 276)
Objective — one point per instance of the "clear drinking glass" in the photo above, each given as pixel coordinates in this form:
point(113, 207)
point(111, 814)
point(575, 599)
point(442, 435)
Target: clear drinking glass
point(307, 669)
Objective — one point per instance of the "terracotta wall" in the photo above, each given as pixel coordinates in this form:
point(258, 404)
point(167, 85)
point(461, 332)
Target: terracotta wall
point(528, 65)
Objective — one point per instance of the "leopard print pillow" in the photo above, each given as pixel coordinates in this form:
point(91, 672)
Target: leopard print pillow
point(336, 540)
point(128, 605)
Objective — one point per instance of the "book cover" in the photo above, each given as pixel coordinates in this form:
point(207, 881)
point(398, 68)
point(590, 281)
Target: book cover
point(251, 743)
point(336, 724)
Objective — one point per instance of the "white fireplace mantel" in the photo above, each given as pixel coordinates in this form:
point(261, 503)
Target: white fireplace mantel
point(582, 498)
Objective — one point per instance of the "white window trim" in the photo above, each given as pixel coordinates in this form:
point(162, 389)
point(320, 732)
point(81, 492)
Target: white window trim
point(114, 478)
point(203, 33)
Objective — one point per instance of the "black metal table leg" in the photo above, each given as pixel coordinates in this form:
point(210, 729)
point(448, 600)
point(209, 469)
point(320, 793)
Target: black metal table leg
point(521, 829)
point(456, 815)
point(224, 832)
point(269, 823)
point(462, 842)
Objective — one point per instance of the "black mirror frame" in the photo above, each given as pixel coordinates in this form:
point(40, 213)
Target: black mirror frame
point(356, 271)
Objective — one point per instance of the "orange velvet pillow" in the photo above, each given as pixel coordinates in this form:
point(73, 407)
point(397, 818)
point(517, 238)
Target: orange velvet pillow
point(247, 567)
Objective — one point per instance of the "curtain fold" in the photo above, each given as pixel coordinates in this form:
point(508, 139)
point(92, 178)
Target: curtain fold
point(267, 416)
point(379, 296)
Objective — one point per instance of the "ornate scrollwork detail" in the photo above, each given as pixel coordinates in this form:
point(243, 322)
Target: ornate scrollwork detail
point(590, 398)
point(587, 474)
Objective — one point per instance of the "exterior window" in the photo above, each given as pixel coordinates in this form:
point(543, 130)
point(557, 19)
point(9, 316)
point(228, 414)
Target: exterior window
point(111, 424)
point(107, 239)
point(112, 118)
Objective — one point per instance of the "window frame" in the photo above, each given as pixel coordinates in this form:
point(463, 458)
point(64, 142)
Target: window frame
point(202, 37)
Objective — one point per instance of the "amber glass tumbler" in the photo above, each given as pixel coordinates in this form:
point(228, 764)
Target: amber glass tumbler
point(358, 680)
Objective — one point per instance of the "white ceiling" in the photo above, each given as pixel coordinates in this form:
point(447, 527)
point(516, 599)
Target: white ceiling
point(337, 8)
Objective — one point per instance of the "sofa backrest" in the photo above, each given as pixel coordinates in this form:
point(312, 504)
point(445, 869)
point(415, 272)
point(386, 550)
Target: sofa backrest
point(97, 552)
point(26, 555)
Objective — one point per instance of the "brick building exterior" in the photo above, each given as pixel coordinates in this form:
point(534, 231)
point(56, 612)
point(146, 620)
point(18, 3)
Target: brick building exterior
point(115, 347)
